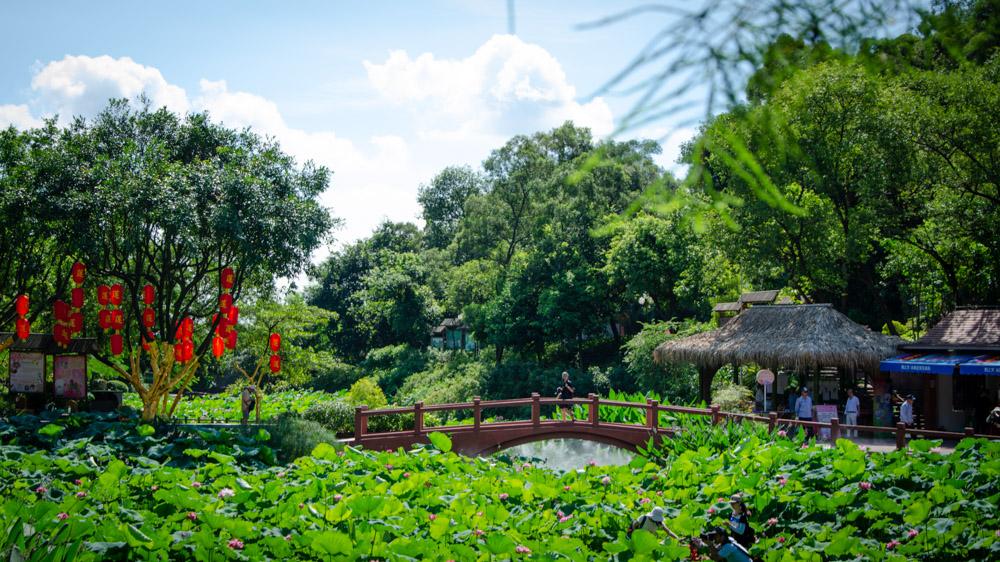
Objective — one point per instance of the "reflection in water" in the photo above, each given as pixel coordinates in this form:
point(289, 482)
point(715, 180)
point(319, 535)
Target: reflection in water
point(570, 454)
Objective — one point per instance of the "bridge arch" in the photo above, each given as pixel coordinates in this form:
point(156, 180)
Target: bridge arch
point(545, 436)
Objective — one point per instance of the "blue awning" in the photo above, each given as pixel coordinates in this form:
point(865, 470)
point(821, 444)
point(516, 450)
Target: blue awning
point(982, 365)
point(928, 364)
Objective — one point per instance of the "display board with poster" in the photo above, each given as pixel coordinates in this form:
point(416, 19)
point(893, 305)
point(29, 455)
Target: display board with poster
point(69, 373)
point(825, 413)
point(27, 372)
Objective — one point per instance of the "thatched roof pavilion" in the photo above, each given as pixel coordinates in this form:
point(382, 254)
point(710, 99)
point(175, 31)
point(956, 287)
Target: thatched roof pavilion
point(803, 337)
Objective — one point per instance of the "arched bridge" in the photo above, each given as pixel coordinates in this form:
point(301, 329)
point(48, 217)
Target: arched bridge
point(482, 438)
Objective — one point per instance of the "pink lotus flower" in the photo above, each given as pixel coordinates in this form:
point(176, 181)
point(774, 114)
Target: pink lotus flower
point(782, 433)
point(301, 505)
point(659, 492)
point(479, 514)
point(288, 537)
point(480, 532)
point(892, 544)
point(565, 518)
point(41, 490)
point(526, 466)
point(154, 487)
point(81, 494)
point(644, 501)
point(406, 475)
point(62, 516)
point(388, 467)
point(226, 493)
point(196, 484)
point(711, 511)
point(192, 515)
point(912, 533)
point(782, 481)
point(78, 481)
point(606, 480)
point(865, 485)
point(337, 497)
point(565, 488)
point(592, 463)
point(521, 549)
point(281, 474)
point(772, 521)
point(236, 544)
point(431, 516)
point(560, 513)
point(503, 496)
point(781, 540)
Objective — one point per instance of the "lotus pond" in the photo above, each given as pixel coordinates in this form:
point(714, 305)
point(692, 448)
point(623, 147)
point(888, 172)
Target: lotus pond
point(89, 487)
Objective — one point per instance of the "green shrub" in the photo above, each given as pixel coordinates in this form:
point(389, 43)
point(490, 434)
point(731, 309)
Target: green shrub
point(295, 437)
point(733, 398)
point(455, 379)
point(677, 383)
point(366, 392)
point(335, 415)
point(335, 376)
point(391, 365)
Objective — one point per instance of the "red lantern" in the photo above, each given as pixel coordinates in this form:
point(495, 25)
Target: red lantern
point(23, 328)
point(116, 344)
point(275, 363)
point(187, 326)
point(77, 272)
point(76, 298)
point(179, 353)
point(233, 316)
point(104, 319)
point(145, 344)
point(231, 340)
point(218, 346)
point(117, 319)
point(61, 310)
point(188, 348)
point(228, 278)
point(76, 322)
point(148, 317)
point(224, 328)
point(225, 301)
point(275, 342)
point(116, 294)
point(22, 305)
point(148, 294)
point(62, 334)
point(103, 295)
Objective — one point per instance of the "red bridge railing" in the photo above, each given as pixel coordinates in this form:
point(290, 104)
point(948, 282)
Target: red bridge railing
point(652, 409)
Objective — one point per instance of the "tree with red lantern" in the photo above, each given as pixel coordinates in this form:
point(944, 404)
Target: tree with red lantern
point(182, 217)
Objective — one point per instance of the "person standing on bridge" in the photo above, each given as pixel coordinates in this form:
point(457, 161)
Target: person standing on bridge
point(804, 410)
point(565, 392)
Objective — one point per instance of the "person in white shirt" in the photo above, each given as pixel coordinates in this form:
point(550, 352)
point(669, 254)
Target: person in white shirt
point(804, 409)
point(906, 411)
point(851, 409)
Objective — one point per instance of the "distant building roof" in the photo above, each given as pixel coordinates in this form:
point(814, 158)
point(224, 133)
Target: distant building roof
point(969, 328)
point(727, 307)
point(758, 297)
point(447, 324)
point(45, 343)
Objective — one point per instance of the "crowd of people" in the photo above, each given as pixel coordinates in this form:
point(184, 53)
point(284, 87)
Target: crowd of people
point(731, 543)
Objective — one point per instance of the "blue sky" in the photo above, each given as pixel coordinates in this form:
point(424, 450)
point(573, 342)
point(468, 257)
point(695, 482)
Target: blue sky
point(383, 93)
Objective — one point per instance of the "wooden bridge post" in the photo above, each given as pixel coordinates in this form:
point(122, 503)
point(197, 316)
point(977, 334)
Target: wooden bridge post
point(652, 415)
point(592, 411)
point(418, 418)
point(716, 417)
point(772, 421)
point(536, 409)
point(969, 432)
point(900, 435)
point(360, 422)
point(834, 429)
point(477, 413)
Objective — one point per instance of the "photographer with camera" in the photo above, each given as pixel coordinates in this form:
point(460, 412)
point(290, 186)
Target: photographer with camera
point(721, 546)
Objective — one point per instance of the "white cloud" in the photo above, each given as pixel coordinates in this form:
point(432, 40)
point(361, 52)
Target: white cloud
point(82, 85)
point(19, 116)
point(506, 87)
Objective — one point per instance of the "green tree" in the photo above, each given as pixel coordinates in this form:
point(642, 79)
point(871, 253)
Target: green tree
point(443, 202)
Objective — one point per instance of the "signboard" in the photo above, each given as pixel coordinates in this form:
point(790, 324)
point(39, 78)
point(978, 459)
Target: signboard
point(982, 365)
point(69, 372)
point(27, 372)
point(765, 377)
point(825, 413)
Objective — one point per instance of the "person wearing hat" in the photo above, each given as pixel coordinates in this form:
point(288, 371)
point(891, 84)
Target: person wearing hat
point(739, 523)
point(652, 522)
point(804, 409)
point(906, 411)
point(723, 547)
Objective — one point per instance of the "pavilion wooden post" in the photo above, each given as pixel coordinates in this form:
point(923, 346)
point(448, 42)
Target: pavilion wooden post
point(418, 418)
point(536, 409)
point(900, 435)
point(477, 413)
point(772, 421)
point(360, 422)
point(716, 417)
point(593, 413)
